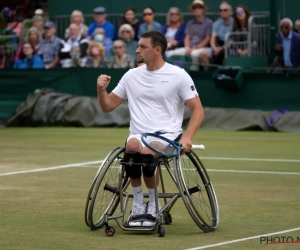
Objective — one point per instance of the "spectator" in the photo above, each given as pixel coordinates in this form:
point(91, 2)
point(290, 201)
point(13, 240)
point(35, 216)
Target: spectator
point(77, 18)
point(297, 26)
point(34, 38)
point(149, 24)
point(96, 55)
point(197, 34)
point(38, 23)
point(121, 59)
point(126, 33)
point(28, 59)
point(100, 36)
point(5, 61)
point(101, 22)
point(174, 29)
point(241, 22)
point(69, 53)
point(6, 34)
point(288, 46)
point(130, 18)
point(220, 28)
point(15, 22)
point(50, 46)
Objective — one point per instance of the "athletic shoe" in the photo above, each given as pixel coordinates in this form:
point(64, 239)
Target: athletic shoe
point(137, 209)
point(151, 210)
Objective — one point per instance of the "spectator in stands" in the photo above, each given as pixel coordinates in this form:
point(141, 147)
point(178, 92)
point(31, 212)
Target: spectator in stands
point(50, 46)
point(121, 59)
point(220, 28)
point(6, 34)
point(15, 22)
point(174, 29)
point(28, 58)
point(100, 36)
point(241, 23)
point(34, 38)
point(77, 18)
point(5, 61)
point(126, 33)
point(130, 18)
point(101, 22)
point(149, 24)
point(96, 55)
point(38, 23)
point(69, 56)
point(297, 26)
point(287, 46)
point(197, 34)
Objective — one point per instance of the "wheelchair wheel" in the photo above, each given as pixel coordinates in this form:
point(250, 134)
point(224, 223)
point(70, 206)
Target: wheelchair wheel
point(103, 197)
point(197, 191)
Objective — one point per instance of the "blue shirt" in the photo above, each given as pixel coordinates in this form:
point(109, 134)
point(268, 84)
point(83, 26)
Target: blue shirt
point(222, 28)
point(286, 44)
point(107, 26)
point(35, 62)
point(143, 28)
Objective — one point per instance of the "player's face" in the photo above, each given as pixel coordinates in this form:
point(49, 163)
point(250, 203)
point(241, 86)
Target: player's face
point(145, 52)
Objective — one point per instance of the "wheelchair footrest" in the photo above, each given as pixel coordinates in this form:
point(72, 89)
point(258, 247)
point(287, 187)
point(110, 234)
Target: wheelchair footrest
point(141, 217)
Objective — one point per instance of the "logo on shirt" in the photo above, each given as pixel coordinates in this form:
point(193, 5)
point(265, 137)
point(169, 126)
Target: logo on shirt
point(193, 88)
point(164, 81)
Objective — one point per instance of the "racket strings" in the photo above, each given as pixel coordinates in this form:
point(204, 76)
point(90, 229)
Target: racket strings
point(162, 146)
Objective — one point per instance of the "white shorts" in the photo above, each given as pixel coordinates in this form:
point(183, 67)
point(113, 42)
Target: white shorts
point(170, 136)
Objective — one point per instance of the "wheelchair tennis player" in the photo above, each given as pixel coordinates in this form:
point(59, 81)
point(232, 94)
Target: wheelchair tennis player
point(157, 93)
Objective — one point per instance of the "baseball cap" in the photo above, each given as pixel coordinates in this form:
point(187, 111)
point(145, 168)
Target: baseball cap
point(49, 25)
point(99, 10)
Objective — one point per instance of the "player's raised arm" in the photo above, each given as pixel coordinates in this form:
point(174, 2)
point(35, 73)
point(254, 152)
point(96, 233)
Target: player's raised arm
point(108, 102)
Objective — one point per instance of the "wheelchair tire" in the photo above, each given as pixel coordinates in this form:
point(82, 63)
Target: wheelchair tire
point(197, 191)
point(103, 196)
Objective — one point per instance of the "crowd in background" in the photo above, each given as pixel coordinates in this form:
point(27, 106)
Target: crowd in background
point(102, 45)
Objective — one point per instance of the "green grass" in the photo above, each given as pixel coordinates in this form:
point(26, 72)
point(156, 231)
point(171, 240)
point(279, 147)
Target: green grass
point(45, 210)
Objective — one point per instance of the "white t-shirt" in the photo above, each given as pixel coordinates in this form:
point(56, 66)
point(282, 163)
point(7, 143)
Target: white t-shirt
point(156, 98)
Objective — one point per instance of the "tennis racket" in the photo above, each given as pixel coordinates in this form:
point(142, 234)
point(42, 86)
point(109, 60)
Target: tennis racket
point(164, 146)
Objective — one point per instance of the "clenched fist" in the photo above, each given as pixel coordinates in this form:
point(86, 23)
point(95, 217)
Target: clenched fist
point(102, 82)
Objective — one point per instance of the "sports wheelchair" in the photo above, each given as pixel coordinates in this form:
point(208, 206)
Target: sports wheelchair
point(109, 191)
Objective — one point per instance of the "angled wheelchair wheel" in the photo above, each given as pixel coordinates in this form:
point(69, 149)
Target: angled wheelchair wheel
point(103, 197)
point(197, 191)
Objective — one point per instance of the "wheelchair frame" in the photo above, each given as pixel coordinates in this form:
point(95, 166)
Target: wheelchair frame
point(120, 197)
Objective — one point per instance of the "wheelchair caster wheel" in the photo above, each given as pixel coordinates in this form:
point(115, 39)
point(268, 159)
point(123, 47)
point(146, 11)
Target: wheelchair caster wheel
point(161, 232)
point(110, 232)
point(168, 219)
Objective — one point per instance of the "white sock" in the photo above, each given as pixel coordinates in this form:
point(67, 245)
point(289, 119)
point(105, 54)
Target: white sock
point(138, 197)
point(151, 195)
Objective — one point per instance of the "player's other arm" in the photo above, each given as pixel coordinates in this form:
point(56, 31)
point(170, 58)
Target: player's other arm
point(108, 102)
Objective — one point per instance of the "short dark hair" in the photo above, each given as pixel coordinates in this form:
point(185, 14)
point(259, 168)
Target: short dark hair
point(157, 39)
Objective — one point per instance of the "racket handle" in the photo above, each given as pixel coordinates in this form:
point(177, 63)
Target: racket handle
point(198, 147)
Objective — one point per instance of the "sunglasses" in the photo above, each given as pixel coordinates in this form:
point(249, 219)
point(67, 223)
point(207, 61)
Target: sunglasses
point(118, 47)
point(198, 7)
point(240, 11)
point(147, 14)
point(223, 10)
point(125, 31)
point(174, 14)
point(284, 27)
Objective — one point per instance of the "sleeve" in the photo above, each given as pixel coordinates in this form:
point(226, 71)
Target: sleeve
point(120, 89)
point(110, 32)
point(187, 29)
point(187, 89)
point(90, 30)
point(215, 27)
point(209, 29)
point(180, 35)
point(38, 63)
point(16, 64)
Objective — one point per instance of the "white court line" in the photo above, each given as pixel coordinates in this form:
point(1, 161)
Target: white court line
point(52, 168)
point(209, 158)
point(252, 172)
point(249, 159)
point(244, 239)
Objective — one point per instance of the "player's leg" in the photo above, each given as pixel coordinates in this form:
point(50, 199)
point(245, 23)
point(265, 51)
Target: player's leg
point(132, 153)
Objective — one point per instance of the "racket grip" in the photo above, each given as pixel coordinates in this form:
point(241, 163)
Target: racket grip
point(198, 147)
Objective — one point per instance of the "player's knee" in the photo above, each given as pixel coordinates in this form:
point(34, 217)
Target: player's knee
point(132, 163)
point(133, 145)
point(149, 163)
